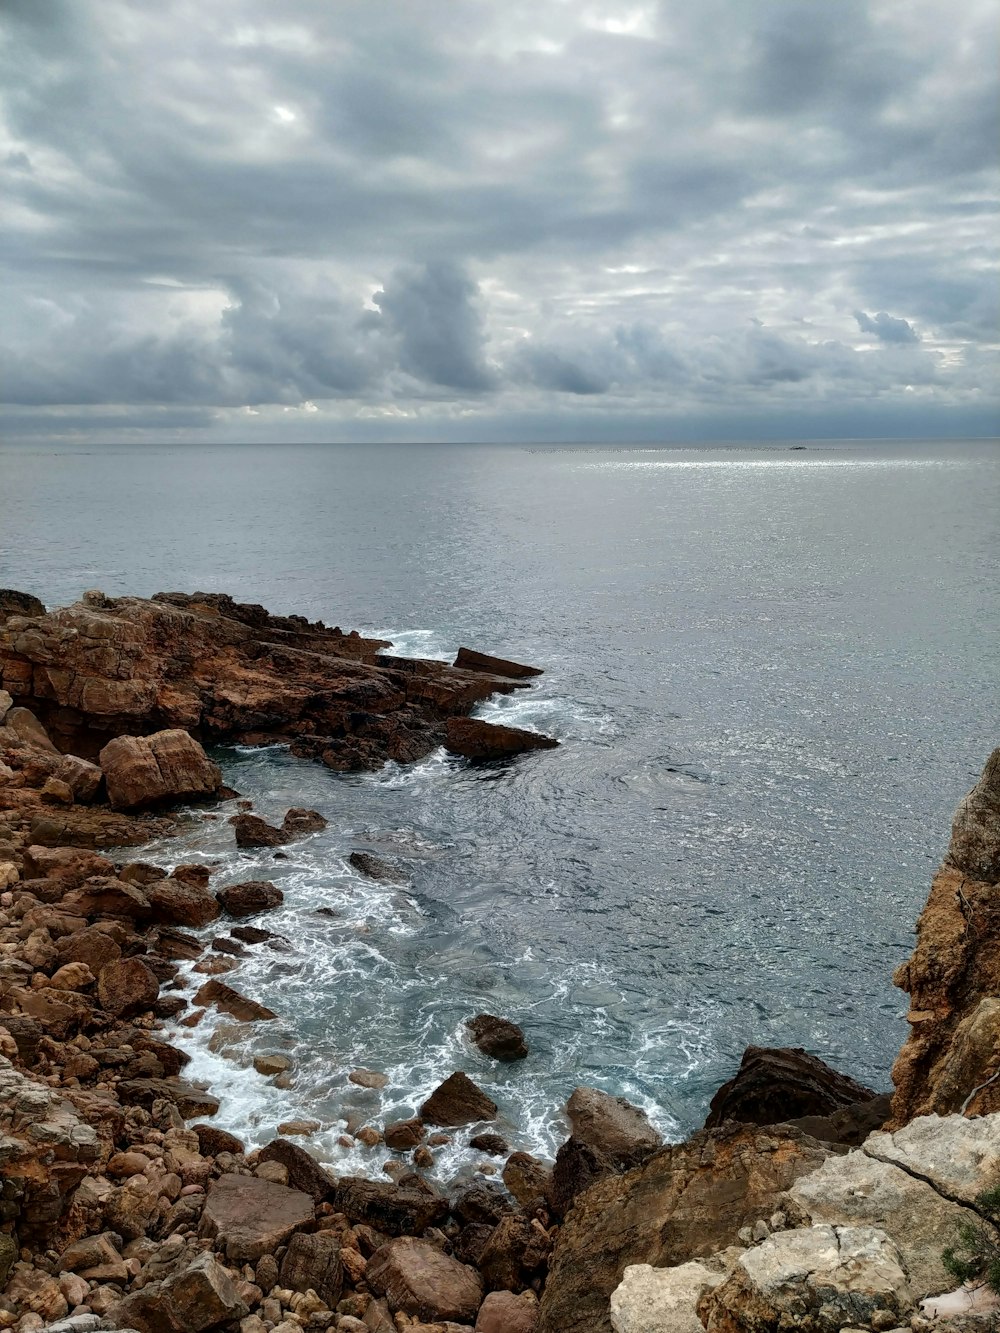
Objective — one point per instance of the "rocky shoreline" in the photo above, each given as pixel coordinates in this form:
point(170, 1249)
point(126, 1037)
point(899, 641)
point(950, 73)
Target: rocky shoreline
point(123, 1205)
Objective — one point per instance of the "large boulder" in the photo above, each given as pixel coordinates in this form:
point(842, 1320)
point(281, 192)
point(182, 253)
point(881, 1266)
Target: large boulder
point(168, 766)
point(498, 1038)
point(174, 903)
point(312, 1263)
point(417, 1278)
point(773, 1085)
point(126, 986)
point(199, 1297)
point(472, 739)
point(661, 1300)
point(395, 1210)
point(250, 898)
point(304, 1172)
point(248, 1217)
point(685, 1202)
point(457, 1101)
point(611, 1125)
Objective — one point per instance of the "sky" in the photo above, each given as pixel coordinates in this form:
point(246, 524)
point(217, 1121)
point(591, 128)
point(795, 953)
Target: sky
point(226, 220)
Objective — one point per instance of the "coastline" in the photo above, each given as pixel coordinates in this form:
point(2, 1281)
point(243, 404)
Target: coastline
point(101, 1023)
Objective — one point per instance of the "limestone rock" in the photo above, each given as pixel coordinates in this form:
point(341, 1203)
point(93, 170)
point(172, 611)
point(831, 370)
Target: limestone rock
point(250, 1217)
point(975, 832)
point(457, 1101)
point(199, 1297)
point(774, 1085)
point(654, 1300)
point(498, 1038)
point(143, 771)
point(126, 986)
point(418, 1279)
point(685, 1202)
point(833, 1277)
point(611, 1125)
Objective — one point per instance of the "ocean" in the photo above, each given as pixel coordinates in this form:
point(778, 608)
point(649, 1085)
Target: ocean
point(774, 672)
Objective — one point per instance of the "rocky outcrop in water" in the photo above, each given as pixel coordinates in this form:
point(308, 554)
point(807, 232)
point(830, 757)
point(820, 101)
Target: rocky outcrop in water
point(951, 1059)
point(224, 670)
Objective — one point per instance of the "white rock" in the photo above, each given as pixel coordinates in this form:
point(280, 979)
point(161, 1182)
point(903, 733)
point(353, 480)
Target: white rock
point(650, 1300)
point(959, 1157)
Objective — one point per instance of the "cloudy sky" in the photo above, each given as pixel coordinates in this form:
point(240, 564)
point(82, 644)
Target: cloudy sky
point(498, 219)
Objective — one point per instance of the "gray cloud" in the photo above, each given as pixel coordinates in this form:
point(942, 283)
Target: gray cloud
point(320, 215)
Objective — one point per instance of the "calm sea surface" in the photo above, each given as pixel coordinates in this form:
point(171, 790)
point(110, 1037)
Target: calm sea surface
point(774, 673)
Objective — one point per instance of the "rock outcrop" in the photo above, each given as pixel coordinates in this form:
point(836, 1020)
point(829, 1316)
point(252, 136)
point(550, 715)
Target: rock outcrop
point(951, 1059)
point(775, 1085)
point(223, 670)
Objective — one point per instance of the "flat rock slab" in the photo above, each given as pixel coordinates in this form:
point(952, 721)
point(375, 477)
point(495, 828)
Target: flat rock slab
point(250, 1217)
point(650, 1300)
point(473, 739)
point(230, 1001)
point(958, 1157)
point(418, 1279)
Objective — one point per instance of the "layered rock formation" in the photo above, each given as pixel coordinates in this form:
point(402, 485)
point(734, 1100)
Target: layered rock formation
point(222, 670)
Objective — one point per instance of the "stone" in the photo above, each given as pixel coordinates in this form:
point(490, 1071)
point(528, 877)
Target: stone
point(611, 1126)
point(650, 1300)
point(416, 1278)
point(56, 792)
point(470, 660)
point(212, 1140)
point(377, 868)
point(28, 728)
point(473, 739)
point(401, 1135)
point(81, 776)
point(304, 1172)
point(174, 903)
point(250, 898)
point(269, 1065)
point(685, 1202)
point(126, 986)
point(168, 766)
point(72, 976)
point(501, 1258)
point(775, 1085)
point(498, 1038)
point(199, 1297)
point(481, 1203)
point(832, 1276)
point(503, 1312)
point(92, 946)
point(189, 1100)
point(299, 822)
point(70, 865)
point(394, 1210)
point(312, 1263)
point(975, 832)
point(457, 1101)
point(231, 1002)
point(250, 1217)
point(493, 1144)
point(252, 831)
point(528, 1179)
point(368, 1078)
point(304, 1127)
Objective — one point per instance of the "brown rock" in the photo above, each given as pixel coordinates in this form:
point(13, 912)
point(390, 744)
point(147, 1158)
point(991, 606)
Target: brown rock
point(498, 1038)
point(481, 1204)
point(392, 1209)
point(83, 778)
point(27, 726)
point(612, 1126)
point(230, 1001)
point(401, 1135)
point(528, 1179)
point(457, 1101)
point(72, 976)
point(312, 1263)
point(494, 1144)
point(500, 1262)
point(298, 822)
point(368, 1078)
point(100, 897)
point(781, 1084)
point(951, 1058)
point(89, 1252)
point(57, 792)
point(174, 903)
point(92, 946)
point(304, 1172)
point(469, 660)
point(252, 831)
point(70, 865)
point(686, 1201)
point(473, 739)
point(377, 867)
point(201, 1296)
point(418, 1279)
point(13, 603)
point(126, 986)
point(251, 1217)
point(503, 1312)
point(168, 766)
point(189, 1100)
point(212, 1141)
point(249, 898)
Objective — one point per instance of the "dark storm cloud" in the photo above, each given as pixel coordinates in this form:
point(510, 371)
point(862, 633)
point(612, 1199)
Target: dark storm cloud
point(321, 214)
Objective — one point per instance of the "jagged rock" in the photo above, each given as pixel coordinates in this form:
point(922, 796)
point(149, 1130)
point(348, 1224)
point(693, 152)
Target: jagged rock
point(501, 1259)
point(69, 865)
point(498, 1038)
point(528, 1179)
point(395, 1210)
point(299, 822)
point(377, 867)
point(82, 777)
point(250, 1217)
point(418, 1279)
point(250, 898)
point(230, 1001)
point(775, 1085)
point(190, 1101)
point(849, 1126)
point(173, 903)
point(126, 986)
point(612, 1126)
point(252, 831)
point(201, 1296)
point(832, 1277)
point(168, 766)
point(661, 1300)
point(503, 1312)
point(13, 603)
point(457, 1101)
point(212, 1141)
point(686, 1201)
point(473, 739)
point(470, 660)
point(950, 1061)
point(481, 1203)
point(312, 1263)
point(304, 1172)
point(24, 723)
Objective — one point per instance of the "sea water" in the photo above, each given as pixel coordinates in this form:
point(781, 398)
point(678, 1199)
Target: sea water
point(773, 672)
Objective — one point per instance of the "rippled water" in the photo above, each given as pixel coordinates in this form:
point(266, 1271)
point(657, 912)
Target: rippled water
point(774, 672)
